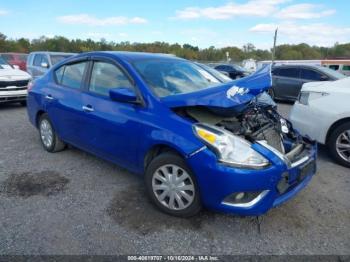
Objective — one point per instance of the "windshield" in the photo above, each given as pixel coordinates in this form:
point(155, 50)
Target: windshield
point(171, 77)
point(4, 64)
point(58, 58)
point(333, 73)
point(222, 78)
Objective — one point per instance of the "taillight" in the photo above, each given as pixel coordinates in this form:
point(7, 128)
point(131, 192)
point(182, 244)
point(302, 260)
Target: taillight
point(30, 85)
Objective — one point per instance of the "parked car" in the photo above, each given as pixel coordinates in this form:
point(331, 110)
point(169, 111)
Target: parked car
point(13, 83)
point(197, 141)
point(16, 59)
point(288, 79)
point(38, 63)
point(233, 71)
point(323, 113)
point(339, 65)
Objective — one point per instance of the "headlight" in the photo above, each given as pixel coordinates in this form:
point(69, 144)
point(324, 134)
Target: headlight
point(231, 149)
point(305, 97)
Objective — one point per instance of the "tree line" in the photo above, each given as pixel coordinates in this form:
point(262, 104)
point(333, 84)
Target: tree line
point(283, 52)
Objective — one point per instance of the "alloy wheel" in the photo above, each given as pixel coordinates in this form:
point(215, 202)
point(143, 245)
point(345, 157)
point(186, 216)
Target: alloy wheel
point(46, 133)
point(343, 145)
point(173, 187)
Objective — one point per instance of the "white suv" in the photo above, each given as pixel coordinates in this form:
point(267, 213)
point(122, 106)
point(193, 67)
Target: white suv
point(13, 83)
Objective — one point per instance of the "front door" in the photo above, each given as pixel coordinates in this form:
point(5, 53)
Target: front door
point(110, 128)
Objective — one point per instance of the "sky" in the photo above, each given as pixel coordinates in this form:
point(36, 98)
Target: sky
point(201, 23)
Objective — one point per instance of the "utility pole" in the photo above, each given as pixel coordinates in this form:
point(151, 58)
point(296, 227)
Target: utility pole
point(274, 47)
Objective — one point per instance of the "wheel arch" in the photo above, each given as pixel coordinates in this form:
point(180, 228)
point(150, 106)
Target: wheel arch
point(37, 117)
point(335, 125)
point(156, 150)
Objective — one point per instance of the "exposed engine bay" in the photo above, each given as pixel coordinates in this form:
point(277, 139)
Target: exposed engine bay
point(255, 122)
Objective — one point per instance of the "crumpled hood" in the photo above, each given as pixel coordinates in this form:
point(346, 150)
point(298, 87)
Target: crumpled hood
point(230, 95)
point(13, 74)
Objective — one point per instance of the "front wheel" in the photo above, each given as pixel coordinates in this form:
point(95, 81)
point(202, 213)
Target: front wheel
point(171, 186)
point(339, 144)
point(49, 139)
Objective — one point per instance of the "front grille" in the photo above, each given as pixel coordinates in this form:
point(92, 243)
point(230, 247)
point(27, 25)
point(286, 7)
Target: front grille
point(14, 83)
point(13, 88)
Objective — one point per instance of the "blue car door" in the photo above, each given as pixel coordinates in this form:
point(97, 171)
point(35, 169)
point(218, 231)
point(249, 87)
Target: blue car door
point(63, 100)
point(111, 129)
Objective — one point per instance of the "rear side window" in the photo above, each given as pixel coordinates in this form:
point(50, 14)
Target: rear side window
point(37, 60)
point(105, 76)
point(71, 75)
point(289, 72)
point(310, 74)
point(346, 67)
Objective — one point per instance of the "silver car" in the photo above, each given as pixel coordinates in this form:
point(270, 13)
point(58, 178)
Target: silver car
point(38, 63)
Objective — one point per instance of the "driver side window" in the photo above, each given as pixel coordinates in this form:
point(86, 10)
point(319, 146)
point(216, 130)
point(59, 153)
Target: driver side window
point(105, 76)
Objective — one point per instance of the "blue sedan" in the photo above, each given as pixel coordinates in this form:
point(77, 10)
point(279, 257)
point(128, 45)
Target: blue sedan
point(198, 138)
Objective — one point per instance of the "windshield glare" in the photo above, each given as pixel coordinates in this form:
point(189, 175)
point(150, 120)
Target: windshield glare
point(171, 77)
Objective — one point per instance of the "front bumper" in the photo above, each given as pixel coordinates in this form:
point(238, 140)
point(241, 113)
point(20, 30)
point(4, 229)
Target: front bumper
point(217, 181)
point(13, 95)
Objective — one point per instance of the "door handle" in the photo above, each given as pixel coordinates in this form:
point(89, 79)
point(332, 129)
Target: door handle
point(88, 108)
point(49, 97)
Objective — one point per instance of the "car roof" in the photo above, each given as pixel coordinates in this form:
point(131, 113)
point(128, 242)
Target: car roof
point(298, 65)
point(132, 56)
point(51, 53)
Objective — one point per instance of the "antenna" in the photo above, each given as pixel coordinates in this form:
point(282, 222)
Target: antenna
point(274, 47)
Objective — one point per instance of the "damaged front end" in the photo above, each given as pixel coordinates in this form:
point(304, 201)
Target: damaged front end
point(253, 159)
point(255, 124)
point(238, 114)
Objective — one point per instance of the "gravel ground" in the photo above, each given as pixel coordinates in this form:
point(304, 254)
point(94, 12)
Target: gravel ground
point(74, 203)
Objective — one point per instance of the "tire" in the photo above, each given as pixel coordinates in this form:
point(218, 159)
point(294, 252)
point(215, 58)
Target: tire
point(50, 143)
point(23, 103)
point(272, 93)
point(175, 164)
point(340, 134)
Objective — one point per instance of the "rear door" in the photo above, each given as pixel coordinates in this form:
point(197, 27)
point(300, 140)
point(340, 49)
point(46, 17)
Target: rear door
point(287, 82)
point(63, 100)
point(310, 75)
point(36, 69)
point(110, 128)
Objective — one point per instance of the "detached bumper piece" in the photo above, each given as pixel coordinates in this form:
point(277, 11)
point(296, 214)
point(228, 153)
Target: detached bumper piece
point(290, 179)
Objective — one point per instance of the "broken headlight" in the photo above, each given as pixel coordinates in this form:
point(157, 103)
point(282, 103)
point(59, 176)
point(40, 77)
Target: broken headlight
point(232, 150)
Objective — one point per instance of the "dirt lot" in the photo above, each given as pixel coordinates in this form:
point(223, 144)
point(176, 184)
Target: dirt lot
point(74, 203)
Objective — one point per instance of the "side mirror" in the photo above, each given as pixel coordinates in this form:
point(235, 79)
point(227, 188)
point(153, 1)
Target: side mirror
point(324, 78)
point(123, 94)
point(15, 67)
point(44, 65)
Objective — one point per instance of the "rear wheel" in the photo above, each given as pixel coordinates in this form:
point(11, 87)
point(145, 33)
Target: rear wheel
point(48, 136)
point(171, 186)
point(339, 144)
